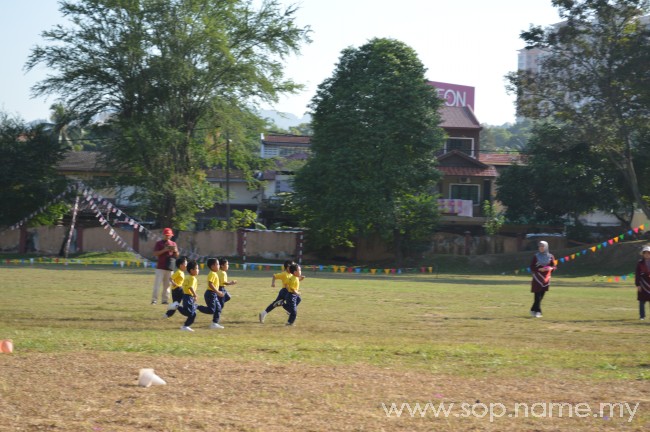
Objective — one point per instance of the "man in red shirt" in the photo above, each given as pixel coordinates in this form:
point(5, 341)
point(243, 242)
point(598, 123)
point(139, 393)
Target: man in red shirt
point(166, 251)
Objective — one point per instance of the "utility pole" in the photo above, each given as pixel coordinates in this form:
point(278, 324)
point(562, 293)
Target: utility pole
point(228, 178)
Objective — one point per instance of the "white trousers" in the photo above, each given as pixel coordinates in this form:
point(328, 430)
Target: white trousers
point(161, 280)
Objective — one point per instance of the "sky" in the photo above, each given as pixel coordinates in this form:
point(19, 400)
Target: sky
point(467, 42)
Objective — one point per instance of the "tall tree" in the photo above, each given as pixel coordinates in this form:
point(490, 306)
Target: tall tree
point(594, 75)
point(376, 131)
point(28, 179)
point(171, 73)
point(564, 176)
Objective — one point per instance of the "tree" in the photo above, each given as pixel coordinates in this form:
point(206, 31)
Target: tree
point(28, 179)
point(505, 138)
point(493, 222)
point(563, 176)
point(594, 75)
point(376, 131)
point(172, 75)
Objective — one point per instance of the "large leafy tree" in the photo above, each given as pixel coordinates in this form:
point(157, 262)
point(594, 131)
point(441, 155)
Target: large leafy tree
point(28, 179)
point(375, 132)
point(594, 75)
point(173, 74)
point(563, 177)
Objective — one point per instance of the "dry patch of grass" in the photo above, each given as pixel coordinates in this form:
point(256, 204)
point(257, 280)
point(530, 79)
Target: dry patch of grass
point(90, 391)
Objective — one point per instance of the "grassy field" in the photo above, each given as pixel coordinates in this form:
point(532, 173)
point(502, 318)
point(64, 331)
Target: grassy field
point(361, 343)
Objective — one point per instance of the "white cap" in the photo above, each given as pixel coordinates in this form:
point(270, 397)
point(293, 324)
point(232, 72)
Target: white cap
point(645, 249)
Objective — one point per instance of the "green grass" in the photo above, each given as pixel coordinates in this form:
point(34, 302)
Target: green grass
point(463, 325)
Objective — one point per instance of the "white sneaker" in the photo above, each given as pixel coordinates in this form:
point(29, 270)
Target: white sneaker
point(187, 329)
point(173, 306)
point(538, 315)
point(262, 317)
point(216, 326)
point(165, 315)
point(289, 324)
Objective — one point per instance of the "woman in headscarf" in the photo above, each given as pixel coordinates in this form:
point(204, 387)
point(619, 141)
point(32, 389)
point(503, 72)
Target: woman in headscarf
point(541, 267)
point(642, 280)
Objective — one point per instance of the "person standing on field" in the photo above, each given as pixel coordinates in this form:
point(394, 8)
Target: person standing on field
point(642, 280)
point(541, 267)
point(166, 251)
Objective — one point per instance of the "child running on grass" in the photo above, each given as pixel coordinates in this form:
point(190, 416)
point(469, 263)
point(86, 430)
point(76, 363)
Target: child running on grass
point(279, 300)
point(213, 295)
point(177, 286)
point(292, 299)
point(223, 296)
point(189, 296)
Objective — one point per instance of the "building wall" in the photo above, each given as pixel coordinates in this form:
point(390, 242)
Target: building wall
point(48, 240)
point(239, 193)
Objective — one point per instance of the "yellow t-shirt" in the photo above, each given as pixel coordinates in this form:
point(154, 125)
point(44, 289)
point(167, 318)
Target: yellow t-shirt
point(178, 277)
point(282, 277)
point(223, 277)
point(214, 278)
point(293, 284)
point(189, 282)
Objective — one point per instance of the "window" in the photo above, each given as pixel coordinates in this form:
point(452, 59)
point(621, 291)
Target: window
point(465, 145)
point(283, 186)
point(464, 192)
point(269, 152)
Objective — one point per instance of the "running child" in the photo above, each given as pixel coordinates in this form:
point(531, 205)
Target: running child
point(189, 296)
point(292, 299)
point(279, 300)
point(177, 286)
point(212, 295)
point(223, 282)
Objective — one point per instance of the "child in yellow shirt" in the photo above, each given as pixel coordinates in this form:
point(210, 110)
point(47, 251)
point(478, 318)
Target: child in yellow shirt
point(189, 296)
point(212, 295)
point(176, 286)
point(292, 298)
point(279, 300)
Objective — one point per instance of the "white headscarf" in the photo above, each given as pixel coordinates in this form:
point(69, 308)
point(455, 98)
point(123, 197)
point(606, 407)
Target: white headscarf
point(543, 258)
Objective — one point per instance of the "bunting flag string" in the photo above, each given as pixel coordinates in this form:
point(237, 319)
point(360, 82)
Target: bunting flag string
point(42, 208)
point(111, 232)
point(143, 262)
point(592, 249)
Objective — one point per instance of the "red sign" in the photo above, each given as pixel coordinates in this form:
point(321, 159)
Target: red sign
point(454, 94)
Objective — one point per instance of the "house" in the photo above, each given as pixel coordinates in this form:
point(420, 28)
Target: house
point(87, 166)
point(238, 195)
point(468, 176)
point(466, 181)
